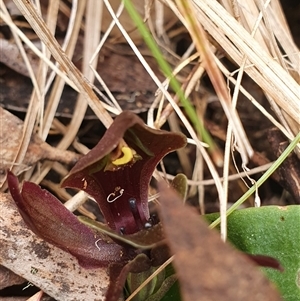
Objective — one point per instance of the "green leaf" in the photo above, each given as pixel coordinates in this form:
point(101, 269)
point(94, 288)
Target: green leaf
point(134, 280)
point(272, 231)
point(173, 294)
point(163, 293)
point(179, 183)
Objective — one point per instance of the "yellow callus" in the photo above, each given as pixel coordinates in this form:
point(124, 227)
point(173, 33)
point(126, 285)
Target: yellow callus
point(126, 157)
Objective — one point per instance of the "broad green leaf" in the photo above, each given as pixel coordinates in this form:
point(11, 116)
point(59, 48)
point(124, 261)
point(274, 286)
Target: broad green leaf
point(272, 231)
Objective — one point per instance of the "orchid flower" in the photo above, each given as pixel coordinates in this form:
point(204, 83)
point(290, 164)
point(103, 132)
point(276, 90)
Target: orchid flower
point(116, 173)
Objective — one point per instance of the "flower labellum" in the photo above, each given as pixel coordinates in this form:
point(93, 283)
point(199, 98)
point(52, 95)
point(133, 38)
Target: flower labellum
point(117, 171)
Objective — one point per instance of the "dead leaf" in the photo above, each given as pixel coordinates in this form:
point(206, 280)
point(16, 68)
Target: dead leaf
point(119, 68)
point(54, 271)
point(8, 278)
point(11, 57)
point(207, 268)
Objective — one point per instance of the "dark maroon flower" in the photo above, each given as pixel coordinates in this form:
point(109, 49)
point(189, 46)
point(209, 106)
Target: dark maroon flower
point(117, 171)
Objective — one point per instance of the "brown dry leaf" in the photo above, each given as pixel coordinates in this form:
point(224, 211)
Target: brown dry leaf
point(206, 267)
point(8, 278)
point(54, 271)
point(120, 69)
point(11, 57)
point(11, 128)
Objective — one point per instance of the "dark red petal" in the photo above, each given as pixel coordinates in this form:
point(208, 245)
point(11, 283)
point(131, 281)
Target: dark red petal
point(107, 144)
point(50, 220)
point(88, 174)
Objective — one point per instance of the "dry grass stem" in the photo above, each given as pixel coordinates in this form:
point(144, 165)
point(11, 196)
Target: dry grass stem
point(232, 177)
point(82, 84)
point(265, 71)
